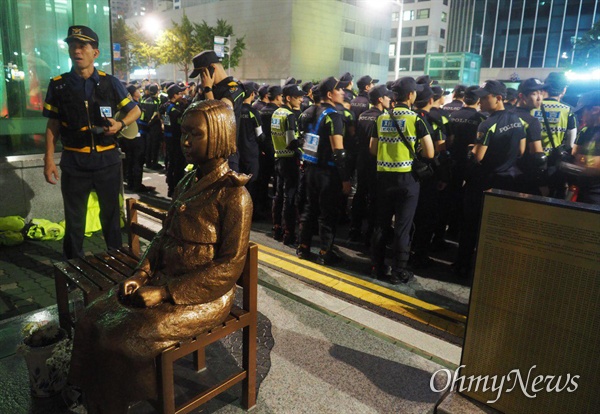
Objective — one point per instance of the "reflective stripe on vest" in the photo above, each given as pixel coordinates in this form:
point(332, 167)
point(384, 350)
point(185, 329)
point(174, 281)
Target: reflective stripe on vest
point(392, 154)
point(278, 129)
point(558, 118)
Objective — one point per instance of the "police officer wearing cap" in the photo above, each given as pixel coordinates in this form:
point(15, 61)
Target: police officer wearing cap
point(80, 106)
point(248, 143)
point(397, 187)
point(363, 202)
point(464, 123)
point(533, 163)
point(587, 148)
point(172, 112)
point(349, 89)
point(152, 129)
point(429, 206)
point(307, 99)
point(284, 134)
point(263, 99)
point(267, 157)
point(327, 176)
point(361, 103)
point(216, 84)
point(559, 129)
point(493, 164)
point(135, 151)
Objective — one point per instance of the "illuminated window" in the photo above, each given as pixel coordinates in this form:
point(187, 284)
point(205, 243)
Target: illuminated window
point(408, 15)
point(423, 14)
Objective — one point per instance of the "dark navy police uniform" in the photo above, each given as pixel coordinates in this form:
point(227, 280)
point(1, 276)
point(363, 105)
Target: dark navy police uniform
point(90, 161)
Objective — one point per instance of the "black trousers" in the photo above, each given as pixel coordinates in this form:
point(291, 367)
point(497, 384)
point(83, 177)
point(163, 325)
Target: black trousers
point(154, 140)
point(364, 201)
point(397, 196)
point(176, 164)
point(426, 216)
point(473, 203)
point(133, 164)
point(287, 174)
point(76, 185)
point(324, 189)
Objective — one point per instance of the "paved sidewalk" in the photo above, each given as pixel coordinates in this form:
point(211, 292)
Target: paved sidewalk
point(318, 364)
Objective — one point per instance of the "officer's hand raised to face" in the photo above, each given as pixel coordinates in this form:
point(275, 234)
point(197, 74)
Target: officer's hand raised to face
point(208, 77)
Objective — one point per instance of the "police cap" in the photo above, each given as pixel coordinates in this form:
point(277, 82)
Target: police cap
point(292, 81)
point(346, 77)
point(530, 85)
point(491, 87)
point(331, 83)
point(406, 85)
point(364, 81)
point(250, 87)
point(293, 90)
point(81, 34)
point(174, 90)
point(377, 92)
point(203, 60)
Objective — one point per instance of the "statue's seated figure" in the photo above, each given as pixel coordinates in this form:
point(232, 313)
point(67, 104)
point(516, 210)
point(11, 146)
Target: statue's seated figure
point(185, 282)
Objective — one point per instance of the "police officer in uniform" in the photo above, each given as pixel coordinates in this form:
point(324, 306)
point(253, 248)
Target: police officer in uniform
point(284, 134)
point(326, 173)
point(349, 89)
point(458, 98)
point(263, 99)
point(135, 151)
point(172, 114)
point(533, 163)
point(493, 164)
point(361, 103)
point(563, 129)
point(587, 148)
point(307, 99)
point(217, 85)
point(397, 187)
point(428, 210)
point(248, 143)
point(150, 120)
point(267, 157)
point(363, 202)
point(463, 126)
point(81, 105)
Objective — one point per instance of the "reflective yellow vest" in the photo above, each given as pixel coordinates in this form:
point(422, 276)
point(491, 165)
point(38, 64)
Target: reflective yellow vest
point(392, 154)
point(558, 119)
point(279, 126)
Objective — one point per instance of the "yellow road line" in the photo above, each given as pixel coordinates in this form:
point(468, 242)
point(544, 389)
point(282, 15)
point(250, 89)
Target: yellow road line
point(373, 286)
point(370, 297)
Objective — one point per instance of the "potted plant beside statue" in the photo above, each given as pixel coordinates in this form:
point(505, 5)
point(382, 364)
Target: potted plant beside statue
point(47, 352)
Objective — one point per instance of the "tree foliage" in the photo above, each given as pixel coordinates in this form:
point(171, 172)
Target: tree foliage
point(121, 34)
point(587, 49)
point(179, 44)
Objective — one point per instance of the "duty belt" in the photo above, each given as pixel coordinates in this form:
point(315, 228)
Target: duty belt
point(99, 148)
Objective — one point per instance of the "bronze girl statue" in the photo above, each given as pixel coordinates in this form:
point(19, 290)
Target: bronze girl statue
point(185, 282)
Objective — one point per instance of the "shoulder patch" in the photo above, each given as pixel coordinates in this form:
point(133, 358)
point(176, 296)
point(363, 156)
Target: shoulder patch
point(101, 73)
point(232, 84)
point(59, 77)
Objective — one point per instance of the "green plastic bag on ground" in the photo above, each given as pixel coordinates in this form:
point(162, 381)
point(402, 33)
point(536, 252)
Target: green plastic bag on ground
point(11, 238)
point(12, 223)
point(42, 229)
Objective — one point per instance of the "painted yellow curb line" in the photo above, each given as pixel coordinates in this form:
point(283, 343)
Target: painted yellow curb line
point(373, 286)
point(406, 310)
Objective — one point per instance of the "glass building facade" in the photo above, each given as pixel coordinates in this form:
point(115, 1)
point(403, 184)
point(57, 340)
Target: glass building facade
point(520, 33)
point(32, 51)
